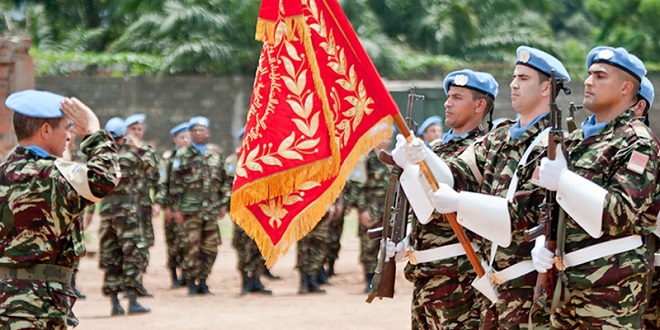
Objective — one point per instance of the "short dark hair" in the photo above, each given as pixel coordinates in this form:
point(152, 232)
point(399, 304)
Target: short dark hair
point(490, 102)
point(26, 127)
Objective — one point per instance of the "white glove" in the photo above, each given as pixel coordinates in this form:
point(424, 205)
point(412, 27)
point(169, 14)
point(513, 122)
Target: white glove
point(551, 170)
point(406, 153)
point(445, 199)
point(392, 250)
point(542, 258)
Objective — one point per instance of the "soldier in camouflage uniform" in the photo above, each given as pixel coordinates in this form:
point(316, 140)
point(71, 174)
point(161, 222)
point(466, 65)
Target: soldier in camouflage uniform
point(197, 190)
point(498, 200)
point(333, 240)
point(250, 263)
point(311, 254)
point(147, 182)
point(175, 234)
point(369, 200)
point(121, 240)
point(41, 198)
point(443, 295)
point(605, 193)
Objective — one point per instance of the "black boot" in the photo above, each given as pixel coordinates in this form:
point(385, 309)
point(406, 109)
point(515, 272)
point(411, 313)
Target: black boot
point(134, 306)
point(314, 286)
point(322, 277)
point(202, 288)
point(192, 288)
point(331, 268)
point(176, 283)
point(368, 277)
point(245, 281)
point(116, 307)
point(142, 291)
point(257, 286)
point(270, 275)
point(73, 286)
point(304, 283)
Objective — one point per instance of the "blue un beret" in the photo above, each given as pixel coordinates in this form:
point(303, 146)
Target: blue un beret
point(479, 81)
point(541, 61)
point(36, 104)
point(116, 127)
point(646, 91)
point(179, 128)
point(618, 57)
point(433, 120)
point(199, 120)
point(137, 118)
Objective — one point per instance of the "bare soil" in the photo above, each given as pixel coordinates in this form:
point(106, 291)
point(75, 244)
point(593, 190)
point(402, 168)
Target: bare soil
point(342, 307)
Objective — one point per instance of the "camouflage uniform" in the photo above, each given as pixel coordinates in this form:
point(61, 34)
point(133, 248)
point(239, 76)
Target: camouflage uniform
point(147, 183)
point(370, 197)
point(175, 234)
point(122, 245)
point(609, 292)
point(197, 190)
point(496, 157)
point(443, 295)
point(335, 229)
point(41, 226)
point(311, 255)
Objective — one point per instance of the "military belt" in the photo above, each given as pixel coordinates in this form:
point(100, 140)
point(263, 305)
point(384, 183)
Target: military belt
point(40, 272)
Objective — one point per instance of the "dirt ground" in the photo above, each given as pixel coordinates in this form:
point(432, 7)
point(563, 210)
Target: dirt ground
point(342, 307)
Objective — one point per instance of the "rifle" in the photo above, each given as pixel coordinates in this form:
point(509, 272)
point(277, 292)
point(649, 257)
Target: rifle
point(550, 225)
point(395, 221)
point(570, 120)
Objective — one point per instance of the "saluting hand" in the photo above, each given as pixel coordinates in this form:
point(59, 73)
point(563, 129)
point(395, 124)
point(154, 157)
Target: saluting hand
point(84, 120)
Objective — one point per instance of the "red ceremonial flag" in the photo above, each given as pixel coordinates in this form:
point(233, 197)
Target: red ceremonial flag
point(318, 105)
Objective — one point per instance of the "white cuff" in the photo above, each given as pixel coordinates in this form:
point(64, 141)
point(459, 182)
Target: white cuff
point(439, 168)
point(485, 215)
point(583, 200)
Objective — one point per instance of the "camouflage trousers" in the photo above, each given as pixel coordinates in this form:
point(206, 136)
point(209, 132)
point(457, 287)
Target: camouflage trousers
point(26, 304)
point(445, 302)
point(312, 248)
point(121, 254)
point(615, 306)
point(511, 311)
point(652, 314)
point(11, 323)
point(249, 257)
point(368, 248)
point(335, 229)
point(201, 247)
point(146, 224)
point(175, 236)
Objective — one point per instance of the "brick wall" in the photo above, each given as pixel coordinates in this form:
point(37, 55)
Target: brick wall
point(16, 73)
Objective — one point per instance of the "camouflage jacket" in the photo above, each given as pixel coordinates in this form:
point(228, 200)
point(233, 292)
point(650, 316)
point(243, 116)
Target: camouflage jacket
point(487, 167)
point(123, 200)
point(197, 181)
point(41, 224)
point(149, 180)
point(438, 231)
point(33, 231)
point(162, 193)
point(371, 195)
point(606, 158)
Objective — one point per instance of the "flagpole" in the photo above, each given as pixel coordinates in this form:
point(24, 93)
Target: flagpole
point(451, 217)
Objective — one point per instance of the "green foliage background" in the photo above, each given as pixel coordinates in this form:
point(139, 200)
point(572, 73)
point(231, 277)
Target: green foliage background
point(406, 39)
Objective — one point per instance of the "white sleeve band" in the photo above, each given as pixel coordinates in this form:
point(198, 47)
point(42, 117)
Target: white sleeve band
point(485, 215)
point(583, 200)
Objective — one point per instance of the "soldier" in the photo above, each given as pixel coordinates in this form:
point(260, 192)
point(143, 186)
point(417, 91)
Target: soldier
point(121, 240)
point(333, 240)
point(443, 295)
point(430, 130)
point(146, 183)
point(174, 234)
point(310, 256)
point(610, 185)
point(369, 201)
point(251, 264)
point(41, 198)
point(197, 190)
point(498, 169)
